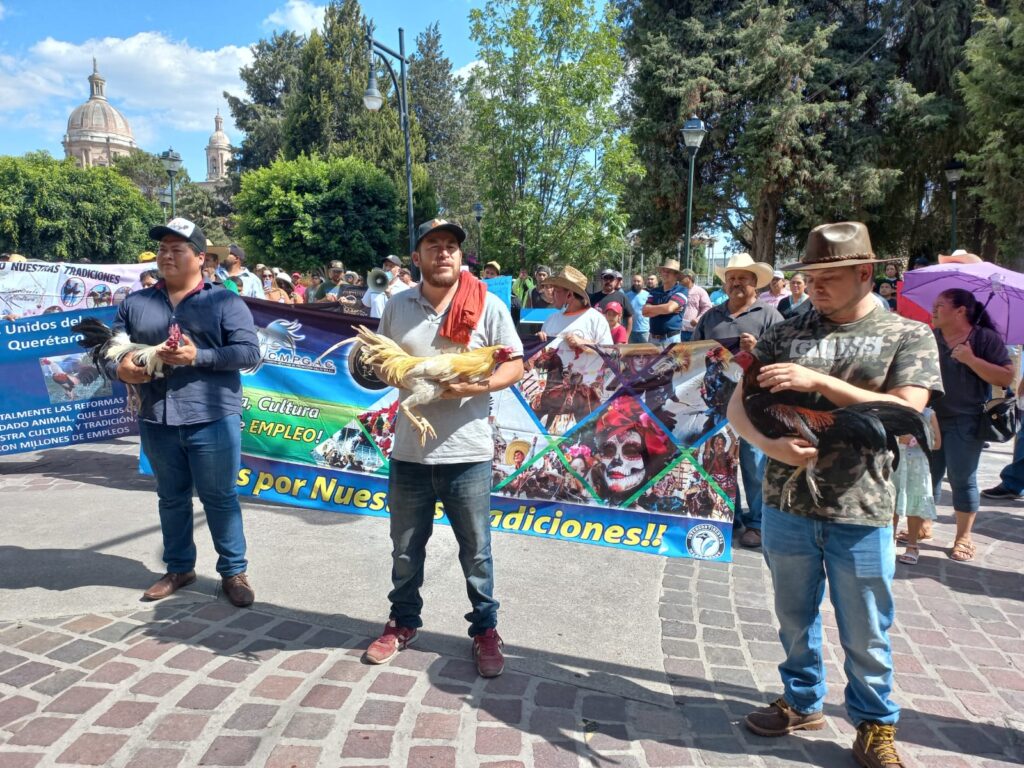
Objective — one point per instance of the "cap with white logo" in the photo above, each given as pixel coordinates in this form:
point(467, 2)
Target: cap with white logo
point(183, 228)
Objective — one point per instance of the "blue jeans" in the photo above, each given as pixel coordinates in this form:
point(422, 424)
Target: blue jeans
point(638, 337)
point(1012, 475)
point(664, 341)
point(961, 451)
point(752, 466)
point(685, 335)
point(205, 457)
point(465, 491)
point(859, 562)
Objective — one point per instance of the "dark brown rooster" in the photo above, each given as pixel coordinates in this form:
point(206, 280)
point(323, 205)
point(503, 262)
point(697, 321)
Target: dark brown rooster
point(871, 427)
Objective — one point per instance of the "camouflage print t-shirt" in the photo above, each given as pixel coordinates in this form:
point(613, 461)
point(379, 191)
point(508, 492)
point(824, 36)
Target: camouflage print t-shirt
point(879, 352)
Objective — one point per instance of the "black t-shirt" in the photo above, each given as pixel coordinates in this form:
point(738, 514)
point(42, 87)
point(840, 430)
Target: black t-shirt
point(966, 392)
point(600, 299)
point(537, 300)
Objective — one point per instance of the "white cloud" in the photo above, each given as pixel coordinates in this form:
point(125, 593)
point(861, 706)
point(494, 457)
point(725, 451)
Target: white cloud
point(152, 80)
point(463, 72)
point(3, 11)
point(297, 15)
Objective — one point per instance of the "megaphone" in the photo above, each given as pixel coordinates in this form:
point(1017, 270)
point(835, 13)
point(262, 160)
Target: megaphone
point(377, 280)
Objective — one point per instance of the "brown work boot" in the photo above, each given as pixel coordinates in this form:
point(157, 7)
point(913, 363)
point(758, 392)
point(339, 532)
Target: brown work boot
point(239, 590)
point(490, 662)
point(392, 640)
point(169, 584)
point(779, 718)
point(875, 746)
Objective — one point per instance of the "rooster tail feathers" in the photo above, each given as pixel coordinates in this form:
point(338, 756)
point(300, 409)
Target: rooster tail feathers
point(94, 332)
point(899, 420)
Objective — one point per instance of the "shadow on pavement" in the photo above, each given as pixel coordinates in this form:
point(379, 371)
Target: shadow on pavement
point(63, 569)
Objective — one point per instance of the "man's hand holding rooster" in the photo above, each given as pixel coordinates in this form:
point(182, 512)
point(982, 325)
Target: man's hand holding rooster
point(457, 390)
point(183, 354)
point(130, 373)
point(790, 376)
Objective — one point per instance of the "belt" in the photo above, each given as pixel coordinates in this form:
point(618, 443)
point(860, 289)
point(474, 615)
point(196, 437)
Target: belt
point(666, 336)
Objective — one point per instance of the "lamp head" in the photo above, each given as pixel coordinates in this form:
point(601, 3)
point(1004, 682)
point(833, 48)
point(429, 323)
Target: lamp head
point(171, 161)
point(694, 132)
point(954, 170)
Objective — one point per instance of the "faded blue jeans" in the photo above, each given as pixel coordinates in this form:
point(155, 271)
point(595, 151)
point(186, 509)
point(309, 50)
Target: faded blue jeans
point(465, 491)
point(752, 467)
point(204, 456)
point(1012, 475)
point(859, 562)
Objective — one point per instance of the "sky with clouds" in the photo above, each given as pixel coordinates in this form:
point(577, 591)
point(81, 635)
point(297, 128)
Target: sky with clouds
point(166, 66)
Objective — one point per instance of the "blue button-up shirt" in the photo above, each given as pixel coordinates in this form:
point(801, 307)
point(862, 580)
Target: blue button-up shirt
point(637, 299)
point(220, 325)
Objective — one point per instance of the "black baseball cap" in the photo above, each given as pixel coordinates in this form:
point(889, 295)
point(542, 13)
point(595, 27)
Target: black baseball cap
point(434, 225)
point(183, 228)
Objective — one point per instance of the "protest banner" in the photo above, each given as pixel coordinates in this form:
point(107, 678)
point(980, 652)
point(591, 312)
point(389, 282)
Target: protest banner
point(620, 446)
point(30, 288)
point(53, 394)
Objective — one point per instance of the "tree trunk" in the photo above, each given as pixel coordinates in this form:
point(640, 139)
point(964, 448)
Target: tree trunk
point(764, 227)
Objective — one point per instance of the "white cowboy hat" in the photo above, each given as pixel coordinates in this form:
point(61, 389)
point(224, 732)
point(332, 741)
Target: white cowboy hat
point(744, 261)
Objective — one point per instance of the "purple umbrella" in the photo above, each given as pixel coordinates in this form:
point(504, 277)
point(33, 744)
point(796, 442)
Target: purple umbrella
point(1000, 290)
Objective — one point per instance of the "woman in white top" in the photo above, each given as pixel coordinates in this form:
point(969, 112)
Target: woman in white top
point(576, 321)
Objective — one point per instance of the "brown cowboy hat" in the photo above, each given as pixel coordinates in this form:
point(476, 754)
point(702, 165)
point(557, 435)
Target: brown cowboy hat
point(572, 280)
point(843, 244)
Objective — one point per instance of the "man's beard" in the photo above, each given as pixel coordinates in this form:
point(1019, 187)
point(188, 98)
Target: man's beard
point(434, 280)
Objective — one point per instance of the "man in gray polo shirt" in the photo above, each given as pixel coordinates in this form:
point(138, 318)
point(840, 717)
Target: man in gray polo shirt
point(455, 466)
point(742, 315)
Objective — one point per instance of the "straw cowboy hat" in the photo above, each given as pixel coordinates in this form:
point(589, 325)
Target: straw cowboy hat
point(670, 264)
point(843, 244)
point(744, 261)
point(572, 280)
point(959, 256)
point(516, 445)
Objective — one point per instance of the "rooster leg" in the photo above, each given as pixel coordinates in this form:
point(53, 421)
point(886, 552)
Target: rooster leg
point(812, 482)
point(421, 424)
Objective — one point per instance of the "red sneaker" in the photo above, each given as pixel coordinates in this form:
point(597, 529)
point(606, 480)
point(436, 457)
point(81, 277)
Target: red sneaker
point(394, 639)
point(487, 651)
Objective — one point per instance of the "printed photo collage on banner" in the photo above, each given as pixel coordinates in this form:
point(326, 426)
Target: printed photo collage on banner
point(54, 394)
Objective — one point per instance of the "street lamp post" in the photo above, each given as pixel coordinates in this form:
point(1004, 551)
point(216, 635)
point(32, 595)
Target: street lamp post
point(373, 100)
point(954, 170)
point(478, 213)
point(693, 131)
point(171, 161)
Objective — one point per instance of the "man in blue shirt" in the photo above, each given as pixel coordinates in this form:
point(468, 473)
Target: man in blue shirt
point(637, 298)
point(190, 419)
point(666, 304)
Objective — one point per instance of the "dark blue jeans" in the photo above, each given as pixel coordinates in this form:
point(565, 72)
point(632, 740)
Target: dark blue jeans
point(205, 457)
point(958, 459)
point(752, 467)
point(1012, 475)
point(465, 491)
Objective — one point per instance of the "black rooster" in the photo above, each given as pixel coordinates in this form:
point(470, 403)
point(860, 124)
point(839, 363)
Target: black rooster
point(871, 427)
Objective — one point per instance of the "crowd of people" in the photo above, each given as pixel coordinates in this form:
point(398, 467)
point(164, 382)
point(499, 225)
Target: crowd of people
point(824, 338)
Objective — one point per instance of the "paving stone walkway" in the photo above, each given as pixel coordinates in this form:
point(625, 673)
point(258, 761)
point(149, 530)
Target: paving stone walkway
point(184, 683)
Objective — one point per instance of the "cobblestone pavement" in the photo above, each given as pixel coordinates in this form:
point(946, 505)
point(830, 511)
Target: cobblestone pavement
point(202, 683)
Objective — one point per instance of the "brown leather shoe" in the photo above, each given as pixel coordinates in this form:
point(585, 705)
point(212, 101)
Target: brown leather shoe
point(169, 584)
point(751, 538)
point(779, 718)
point(239, 590)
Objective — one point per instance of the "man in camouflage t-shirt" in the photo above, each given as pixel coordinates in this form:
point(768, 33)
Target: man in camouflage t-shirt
point(845, 351)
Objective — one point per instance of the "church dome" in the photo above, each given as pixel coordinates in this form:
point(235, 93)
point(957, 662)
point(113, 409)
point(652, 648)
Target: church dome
point(97, 120)
point(218, 138)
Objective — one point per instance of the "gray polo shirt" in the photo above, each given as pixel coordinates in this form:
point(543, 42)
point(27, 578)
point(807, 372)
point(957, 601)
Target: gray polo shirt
point(463, 434)
point(718, 323)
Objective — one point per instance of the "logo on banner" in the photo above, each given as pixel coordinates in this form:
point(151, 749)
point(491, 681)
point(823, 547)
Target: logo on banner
point(278, 346)
point(705, 542)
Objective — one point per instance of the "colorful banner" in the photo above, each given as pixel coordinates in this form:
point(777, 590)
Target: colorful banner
point(53, 394)
point(622, 446)
point(31, 288)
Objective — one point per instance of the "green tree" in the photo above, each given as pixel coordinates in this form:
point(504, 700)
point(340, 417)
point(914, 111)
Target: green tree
point(54, 210)
point(550, 158)
point(309, 111)
point(992, 86)
point(443, 119)
point(268, 80)
point(145, 171)
point(303, 213)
